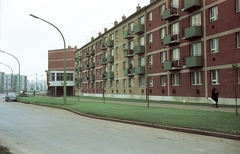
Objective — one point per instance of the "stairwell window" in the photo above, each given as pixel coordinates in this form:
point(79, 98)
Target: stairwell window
point(196, 49)
point(213, 13)
point(175, 79)
point(215, 77)
point(237, 5)
point(214, 45)
point(196, 78)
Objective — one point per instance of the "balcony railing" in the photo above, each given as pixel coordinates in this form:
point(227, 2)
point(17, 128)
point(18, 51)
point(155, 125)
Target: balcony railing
point(140, 70)
point(171, 13)
point(128, 53)
point(127, 34)
point(172, 65)
point(92, 52)
point(139, 49)
point(138, 29)
point(110, 59)
point(193, 32)
point(194, 61)
point(129, 72)
point(103, 61)
point(191, 5)
point(110, 43)
point(171, 39)
point(103, 46)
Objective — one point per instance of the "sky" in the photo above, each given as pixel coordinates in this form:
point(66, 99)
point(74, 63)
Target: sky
point(29, 39)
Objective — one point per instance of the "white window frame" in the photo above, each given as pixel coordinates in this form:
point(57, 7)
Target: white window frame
point(131, 46)
point(238, 39)
point(141, 20)
point(237, 5)
point(214, 45)
point(162, 9)
point(196, 78)
point(175, 3)
point(163, 80)
point(150, 60)
point(213, 12)
point(175, 28)
point(215, 77)
point(196, 49)
point(150, 16)
point(150, 38)
point(163, 56)
point(142, 41)
point(175, 54)
point(176, 79)
point(163, 32)
point(131, 27)
point(142, 61)
point(150, 81)
point(196, 20)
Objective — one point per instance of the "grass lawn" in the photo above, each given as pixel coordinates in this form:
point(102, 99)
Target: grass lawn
point(196, 119)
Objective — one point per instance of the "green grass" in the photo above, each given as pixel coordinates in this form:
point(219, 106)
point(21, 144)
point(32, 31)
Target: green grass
point(216, 121)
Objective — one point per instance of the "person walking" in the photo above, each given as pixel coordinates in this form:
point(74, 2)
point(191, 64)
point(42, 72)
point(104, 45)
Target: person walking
point(215, 94)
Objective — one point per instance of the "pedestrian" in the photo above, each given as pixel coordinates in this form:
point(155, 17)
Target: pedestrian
point(34, 92)
point(215, 94)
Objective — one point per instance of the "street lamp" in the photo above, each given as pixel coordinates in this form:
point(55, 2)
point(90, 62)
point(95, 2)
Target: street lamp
point(36, 78)
point(18, 70)
point(12, 74)
point(64, 63)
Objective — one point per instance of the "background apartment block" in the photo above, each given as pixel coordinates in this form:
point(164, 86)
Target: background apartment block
point(167, 50)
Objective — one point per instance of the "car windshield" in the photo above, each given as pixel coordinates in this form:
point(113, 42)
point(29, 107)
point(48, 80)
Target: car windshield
point(11, 94)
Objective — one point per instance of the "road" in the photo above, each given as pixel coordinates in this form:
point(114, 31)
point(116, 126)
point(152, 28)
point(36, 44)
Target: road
point(28, 129)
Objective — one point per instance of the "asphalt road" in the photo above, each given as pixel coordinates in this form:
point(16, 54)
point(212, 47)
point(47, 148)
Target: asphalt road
point(28, 129)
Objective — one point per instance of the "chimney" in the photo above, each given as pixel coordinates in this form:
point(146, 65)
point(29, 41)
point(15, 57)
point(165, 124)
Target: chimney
point(99, 33)
point(138, 8)
point(115, 23)
point(105, 29)
point(123, 17)
point(92, 38)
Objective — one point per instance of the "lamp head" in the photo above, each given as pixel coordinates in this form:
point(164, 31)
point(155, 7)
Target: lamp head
point(34, 16)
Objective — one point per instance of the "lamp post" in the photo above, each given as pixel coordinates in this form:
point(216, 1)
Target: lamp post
point(64, 63)
point(12, 74)
point(18, 70)
point(36, 78)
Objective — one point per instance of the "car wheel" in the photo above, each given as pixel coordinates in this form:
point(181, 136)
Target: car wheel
point(6, 99)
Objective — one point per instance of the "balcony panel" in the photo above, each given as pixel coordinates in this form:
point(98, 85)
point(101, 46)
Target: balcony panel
point(127, 35)
point(191, 5)
point(87, 54)
point(167, 39)
point(92, 52)
point(139, 49)
point(80, 69)
point(92, 65)
point(103, 61)
point(103, 47)
point(170, 13)
point(103, 76)
point(193, 32)
point(110, 43)
point(167, 65)
point(140, 70)
point(138, 29)
point(80, 58)
point(128, 53)
point(92, 78)
point(110, 59)
point(194, 61)
point(128, 72)
point(110, 75)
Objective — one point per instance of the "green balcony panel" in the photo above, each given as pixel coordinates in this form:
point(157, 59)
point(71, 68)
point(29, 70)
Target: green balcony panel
point(193, 32)
point(167, 39)
point(167, 65)
point(110, 43)
point(110, 59)
point(128, 72)
point(87, 54)
point(128, 53)
point(170, 13)
point(80, 58)
point(80, 80)
point(103, 76)
point(127, 34)
point(191, 5)
point(140, 70)
point(139, 49)
point(80, 69)
point(138, 29)
point(92, 78)
point(92, 52)
point(92, 65)
point(103, 61)
point(110, 75)
point(103, 47)
point(194, 61)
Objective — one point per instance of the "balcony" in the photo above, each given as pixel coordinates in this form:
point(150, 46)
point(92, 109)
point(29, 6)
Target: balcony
point(80, 80)
point(193, 32)
point(194, 61)
point(138, 29)
point(91, 78)
point(171, 39)
point(103, 46)
point(110, 59)
point(128, 53)
point(80, 69)
point(140, 70)
point(191, 5)
point(127, 34)
point(107, 75)
point(87, 54)
point(172, 65)
point(103, 76)
point(76, 58)
point(129, 72)
point(171, 13)
point(103, 61)
point(90, 65)
point(139, 49)
point(110, 43)
point(80, 58)
point(92, 52)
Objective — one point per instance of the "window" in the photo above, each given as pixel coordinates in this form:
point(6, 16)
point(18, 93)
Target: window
point(213, 13)
point(196, 78)
point(112, 52)
point(116, 34)
point(130, 26)
point(162, 8)
point(150, 38)
point(69, 76)
point(142, 61)
point(141, 41)
point(175, 79)
point(175, 28)
point(112, 37)
point(162, 32)
point(163, 56)
point(112, 68)
point(151, 81)
point(117, 67)
point(131, 64)
point(175, 54)
point(196, 49)
point(238, 75)
point(214, 45)
point(52, 77)
point(105, 84)
point(142, 82)
point(130, 45)
point(215, 77)
point(163, 80)
point(124, 83)
point(112, 83)
point(150, 16)
point(59, 76)
point(124, 64)
point(238, 39)
point(196, 20)
point(117, 83)
point(150, 60)
point(175, 3)
point(131, 82)
point(116, 49)
point(237, 5)
point(141, 20)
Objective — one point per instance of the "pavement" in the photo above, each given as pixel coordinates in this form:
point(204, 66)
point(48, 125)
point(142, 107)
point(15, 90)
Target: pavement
point(152, 104)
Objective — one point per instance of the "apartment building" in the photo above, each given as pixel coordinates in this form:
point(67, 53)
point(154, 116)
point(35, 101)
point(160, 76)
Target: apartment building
point(167, 50)
point(55, 72)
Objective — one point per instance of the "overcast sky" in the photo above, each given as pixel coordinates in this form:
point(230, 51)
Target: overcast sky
point(30, 39)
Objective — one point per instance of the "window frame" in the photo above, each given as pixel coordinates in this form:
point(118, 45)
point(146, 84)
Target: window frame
point(214, 45)
point(163, 80)
point(196, 78)
point(213, 13)
point(215, 80)
point(175, 79)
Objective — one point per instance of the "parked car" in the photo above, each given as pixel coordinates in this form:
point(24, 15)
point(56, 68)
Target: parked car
point(11, 96)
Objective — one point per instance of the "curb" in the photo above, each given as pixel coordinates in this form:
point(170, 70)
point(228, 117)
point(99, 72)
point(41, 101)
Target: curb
point(165, 127)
